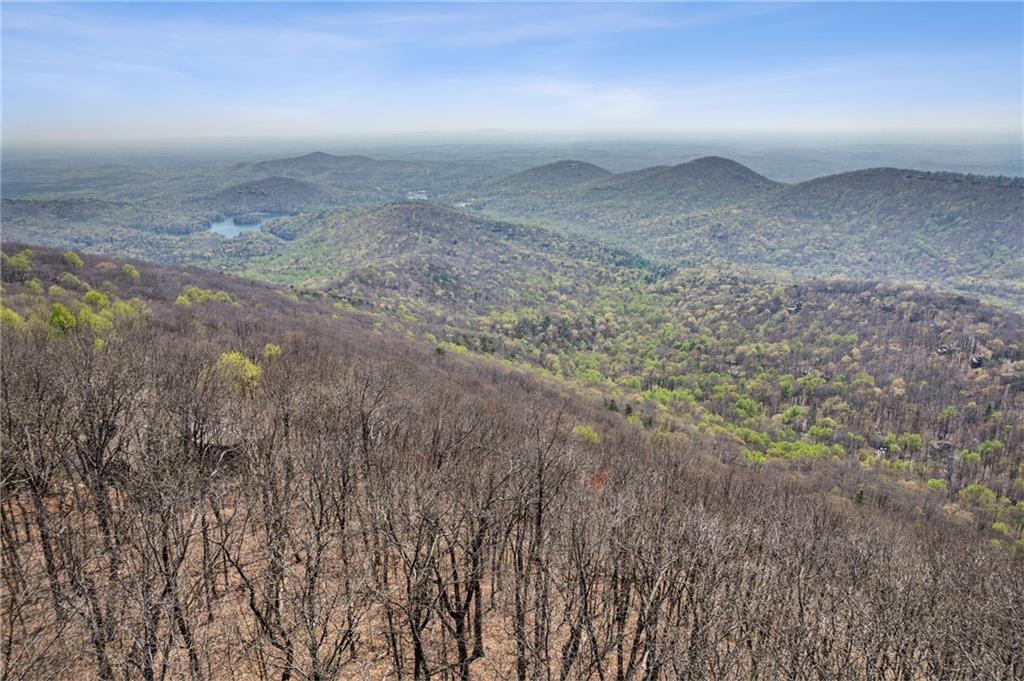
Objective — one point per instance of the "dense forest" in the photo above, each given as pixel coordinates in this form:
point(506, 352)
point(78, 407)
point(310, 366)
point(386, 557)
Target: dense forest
point(955, 231)
point(207, 477)
point(962, 232)
point(490, 419)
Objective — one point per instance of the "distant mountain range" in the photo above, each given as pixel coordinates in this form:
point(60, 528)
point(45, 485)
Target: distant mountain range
point(962, 231)
point(573, 186)
point(317, 161)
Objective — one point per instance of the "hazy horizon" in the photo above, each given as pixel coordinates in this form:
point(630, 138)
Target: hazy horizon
point(98, 73)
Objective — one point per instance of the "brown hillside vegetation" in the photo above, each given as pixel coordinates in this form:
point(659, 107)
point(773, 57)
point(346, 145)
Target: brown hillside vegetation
point(205, 478)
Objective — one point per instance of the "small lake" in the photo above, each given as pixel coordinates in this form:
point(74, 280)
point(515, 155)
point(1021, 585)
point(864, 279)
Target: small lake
point(234, 225)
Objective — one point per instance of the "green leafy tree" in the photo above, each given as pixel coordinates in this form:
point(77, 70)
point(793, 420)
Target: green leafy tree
point(586, 435)
point(73, 260)
point(70, 281)
point(989, 449)
point(978, 495)
point(237, 368)
point(131, 273)
point(96, 300)
point(194, 294)
point(61, 319)
point(10, 320)
point(18, 266)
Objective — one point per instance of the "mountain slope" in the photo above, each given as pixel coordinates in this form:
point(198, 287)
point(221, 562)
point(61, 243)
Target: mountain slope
point(198, 451)
point(434, 253)
point(271, 194)
point(312, 163)
point(892, 198)
point(960, 231)
point(86, 222)
point(356, 180)
point(559, 191)
point(702, 183)
point(557, 176)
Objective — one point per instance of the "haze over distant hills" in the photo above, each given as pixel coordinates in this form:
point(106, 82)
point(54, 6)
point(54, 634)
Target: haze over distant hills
point(957, 231)
point(589, 190)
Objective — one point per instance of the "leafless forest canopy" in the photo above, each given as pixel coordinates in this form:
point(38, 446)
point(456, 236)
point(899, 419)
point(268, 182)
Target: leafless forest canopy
point(207, 478)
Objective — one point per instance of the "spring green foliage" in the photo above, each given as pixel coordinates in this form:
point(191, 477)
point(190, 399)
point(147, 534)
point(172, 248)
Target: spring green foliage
point(978, 495)
point(753, 456)
point(239, 369)
point(968, 458)
point(989, 449)
point(937, 485)
point(96, 323)
point(802, 449)
point(19, 264)
point(10, 320)
point(663, 396)
point(904, 442)
point(453, 348)
point(131, 273)
point(73, 260)
point(271, 351)
point(793, 414)
point(747, 406)
point(61, 319)
point(823, 429)
point(96, 300)
point(585, 434)
point(71, 281)
point(194, 294)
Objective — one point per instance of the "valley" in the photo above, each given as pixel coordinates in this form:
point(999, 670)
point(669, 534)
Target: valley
point(400, 498)
point(835, 319)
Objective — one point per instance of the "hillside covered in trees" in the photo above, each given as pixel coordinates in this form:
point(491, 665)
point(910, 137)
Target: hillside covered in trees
point(955, 231)
point(958, 231)
point(207, 477)
point(475, 421)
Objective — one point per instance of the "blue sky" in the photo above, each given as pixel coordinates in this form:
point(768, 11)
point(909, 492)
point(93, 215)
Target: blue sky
point(95, 71)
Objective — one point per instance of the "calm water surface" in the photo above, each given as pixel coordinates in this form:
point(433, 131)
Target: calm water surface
point(229, 228)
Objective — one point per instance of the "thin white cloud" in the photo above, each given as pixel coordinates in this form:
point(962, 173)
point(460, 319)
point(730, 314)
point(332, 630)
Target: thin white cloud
point(323, 69)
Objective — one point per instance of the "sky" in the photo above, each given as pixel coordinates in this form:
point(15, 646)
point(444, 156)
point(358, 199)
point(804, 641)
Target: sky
point(152, 71)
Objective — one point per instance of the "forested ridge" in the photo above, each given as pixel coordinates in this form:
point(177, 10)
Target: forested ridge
point(206, 477)
point(963, 232)
point(956, 231)
point(827, 368)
